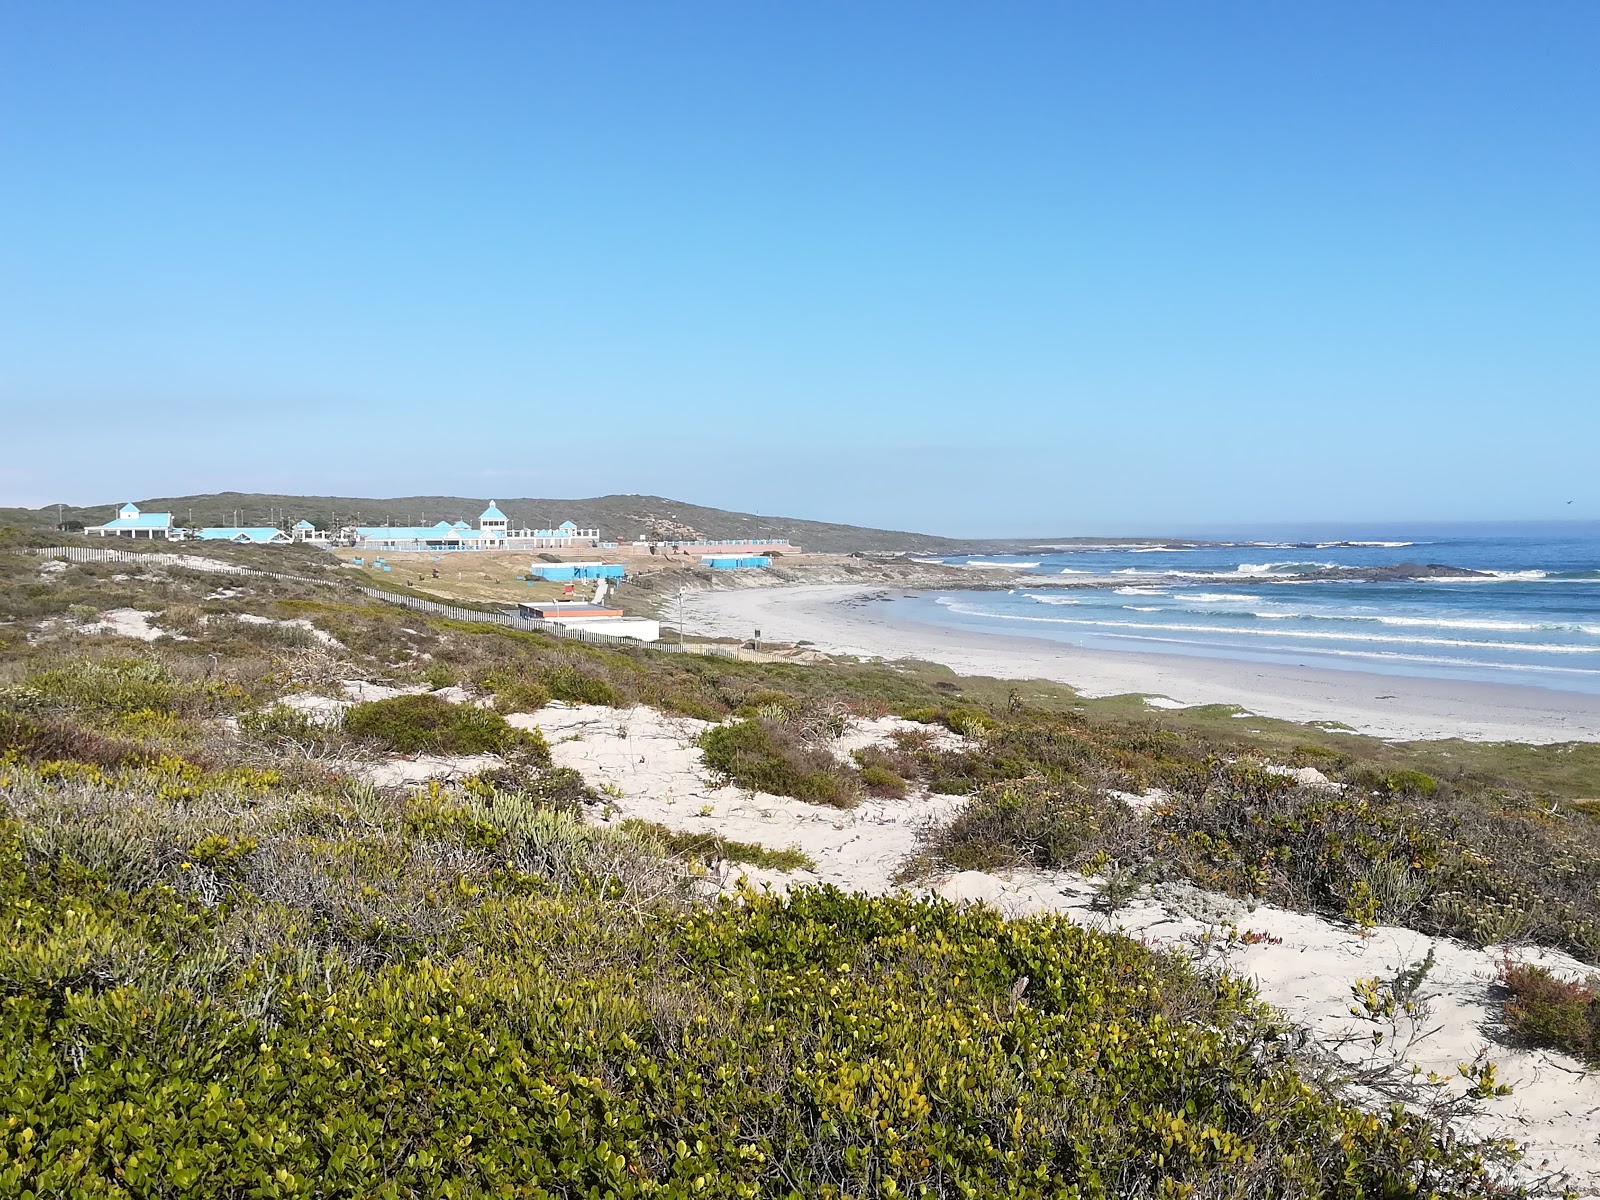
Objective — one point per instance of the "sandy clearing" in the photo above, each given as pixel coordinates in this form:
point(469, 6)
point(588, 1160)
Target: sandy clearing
point(128, 623)
point(653, 762)
point(407, 772)
point(838, 618)
point(359, 691)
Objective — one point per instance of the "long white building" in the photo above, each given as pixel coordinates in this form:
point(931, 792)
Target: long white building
point(492, 533)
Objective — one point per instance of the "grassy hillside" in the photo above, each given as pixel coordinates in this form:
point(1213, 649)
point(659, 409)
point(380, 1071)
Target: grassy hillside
point(619, 517)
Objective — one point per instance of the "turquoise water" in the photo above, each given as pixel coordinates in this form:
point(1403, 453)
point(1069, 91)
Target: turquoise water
point(1534, 620)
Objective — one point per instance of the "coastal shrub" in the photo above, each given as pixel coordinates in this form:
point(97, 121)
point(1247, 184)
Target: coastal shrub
point(438, 675)
point(99, 688)
point(570, 683)
point(427, 724)
point(520, 695)
point(685, 703)
point(1393, 783)
point(711, 847)
point(560, 787)
point(41, 738)
point(768, 704)
point(1033, 823)
point(764, 757)
point(279, 726)
point(885, 771)
point(469, 995)
point(882, 782)
point(1544, 1010)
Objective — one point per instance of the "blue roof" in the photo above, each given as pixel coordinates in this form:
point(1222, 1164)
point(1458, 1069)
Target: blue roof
point(491, 513)
point(142, 521)
point(304, 525)
point(567, 525)
point(414, 533)
point(236, 533)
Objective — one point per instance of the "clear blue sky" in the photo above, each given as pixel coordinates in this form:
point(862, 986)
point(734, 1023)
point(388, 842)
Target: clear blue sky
point(983, 268)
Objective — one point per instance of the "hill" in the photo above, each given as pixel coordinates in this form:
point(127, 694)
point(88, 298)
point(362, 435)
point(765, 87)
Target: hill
point(622, 517)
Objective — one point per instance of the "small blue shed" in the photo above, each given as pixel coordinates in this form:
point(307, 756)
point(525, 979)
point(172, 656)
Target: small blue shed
point(567, 572)
point(729, 562)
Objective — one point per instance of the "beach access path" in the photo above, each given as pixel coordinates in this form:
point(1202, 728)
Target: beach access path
point(849, 619)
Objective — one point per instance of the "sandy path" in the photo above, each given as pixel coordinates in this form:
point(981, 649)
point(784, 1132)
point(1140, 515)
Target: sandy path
point(838, 619)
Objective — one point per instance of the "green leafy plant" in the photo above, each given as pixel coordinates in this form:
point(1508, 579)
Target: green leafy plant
point(761, 755)
point(427, 724)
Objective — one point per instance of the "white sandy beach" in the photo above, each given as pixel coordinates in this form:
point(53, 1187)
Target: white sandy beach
point(843, 619)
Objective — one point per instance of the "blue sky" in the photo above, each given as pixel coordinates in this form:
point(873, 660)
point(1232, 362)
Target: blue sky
point(979, 269)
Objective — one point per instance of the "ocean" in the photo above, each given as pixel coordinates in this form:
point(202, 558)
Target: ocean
point(1534, 618)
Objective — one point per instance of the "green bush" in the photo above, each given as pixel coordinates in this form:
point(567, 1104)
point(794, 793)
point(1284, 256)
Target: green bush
point(1393, 783)
point(39, 739)
point(711, 847)
point(1033, 824)
point(521, 695)
point(555, 1043)
point(567, 683)
point(109, 687)
point(427, 724)
point(439, 675)
point(761, 756)
point(880, 781)
point(1544, 1010)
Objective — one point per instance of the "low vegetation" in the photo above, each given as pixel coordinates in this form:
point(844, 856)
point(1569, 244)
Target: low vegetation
point(1399, 848)
point(343, 993)
point(425, 723)
point(712, 848)
point(232, 969)
point(762, 754)
point(1545, 1010)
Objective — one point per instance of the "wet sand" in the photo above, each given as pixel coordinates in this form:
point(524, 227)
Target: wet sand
point(843, 619)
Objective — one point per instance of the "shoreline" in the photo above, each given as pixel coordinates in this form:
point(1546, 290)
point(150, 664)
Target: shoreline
point(842, 619)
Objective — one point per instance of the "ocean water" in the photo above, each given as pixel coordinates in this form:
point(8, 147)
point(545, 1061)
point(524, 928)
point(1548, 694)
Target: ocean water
point(1535, 619)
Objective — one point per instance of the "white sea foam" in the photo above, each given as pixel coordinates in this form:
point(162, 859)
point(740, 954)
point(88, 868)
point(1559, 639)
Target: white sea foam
point(984, 565)
point(1139, 591)
point(1353, 545)
point(1454, 623)
point(1214, 597)
point(1315, 635)
point(1272, 568)
point(1051, 599)
point(1387, 656)
point(1142, 607)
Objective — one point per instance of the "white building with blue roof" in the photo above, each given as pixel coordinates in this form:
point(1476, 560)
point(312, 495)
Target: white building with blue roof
point(249, 535)
point(493, 532)
point(130, 522)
